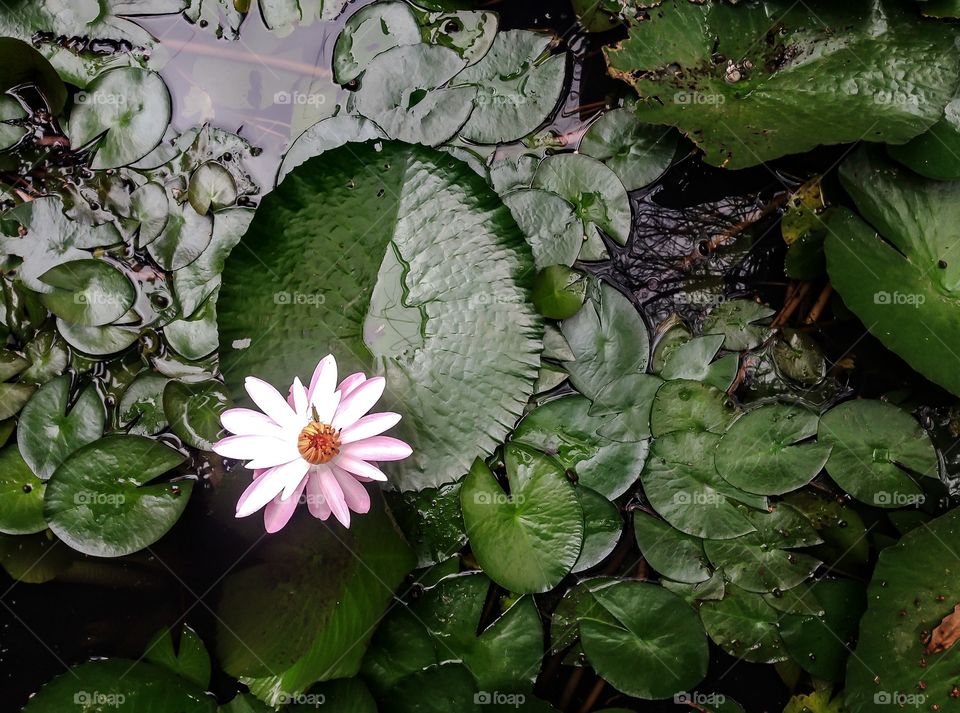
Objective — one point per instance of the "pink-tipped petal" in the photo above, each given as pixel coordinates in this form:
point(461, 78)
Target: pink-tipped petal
point(356, 496)
point(333, 494)
point(326, 406)
point(247, 422)
point(277, 512)
point(371, 425)
point(260, 492)
point(294, 474)
point(299, 394)
point(378, 448)
point(316, 502)
point(360, 467)
point(246, 447)
point(351, 382)
point(359, 401)
point(270, 401)
point(324, 378)
point(278, 454)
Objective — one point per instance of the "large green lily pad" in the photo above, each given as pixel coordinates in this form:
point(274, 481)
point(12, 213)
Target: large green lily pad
point(399, 260)
point(898, 266)
point(752, 81)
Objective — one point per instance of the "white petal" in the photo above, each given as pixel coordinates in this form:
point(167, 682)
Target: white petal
point(360, 467)
point(261, 491)
point(326, 405)
point(358, 402)
point(247, 422)
point(370, 425)
point(324, 378)
point(316, 502)
point(293, 474)
point(333, 494)
point(299, 395)
point(351, 382)
point(247, 447)
point(378, 448)
point(284, 453)
point(277, 512)
point(270, 401)
point(356, 496)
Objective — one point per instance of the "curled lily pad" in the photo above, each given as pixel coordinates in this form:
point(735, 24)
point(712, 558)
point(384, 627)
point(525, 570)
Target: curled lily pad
point(90, 293)
point(644, 640)
point(597, 195)
point(51, 428)
point(99, 502)
point(370, 31)
point(527, 539)
point(878, 453)
point(683, 486)
point(123, 115)
point(193, 411)
point(670, 552)
point(21, 495)
point(211, 188)
point(185, 236)
point(549, 224)
point(763, 451)
point(565, 429)
point(518, 85)
point(638, 153)
point(149, 208)
point(403, 92)
point(469, 33)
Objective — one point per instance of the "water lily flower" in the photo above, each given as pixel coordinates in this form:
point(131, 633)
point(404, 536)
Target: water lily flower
point(319, 440)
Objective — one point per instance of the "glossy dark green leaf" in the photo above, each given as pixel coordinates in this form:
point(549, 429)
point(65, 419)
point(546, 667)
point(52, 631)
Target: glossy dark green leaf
point(549, 223)
point(21, 495)
point(150, 209)
point(23, 64)
point(558, 292)
point(744, 626)
point(196, 337)
point(669, 551)
point(50, 428)
point(845, 543)
point(14, 397)
point(898, 267)
point(602, 528)
point(99, 502)
point(563, 428)
point(878, 452)
point(694, 360)
point(785, 92)
point(528, 538)
point(934, 153)
point(188, 660)
point(426, 308)
point(740, 323)
point(34, 559)
point(328, 134)
point(90, 293)
point(129, 108)
point(644, 640)
point(765, 452)
point(431, 521)
point(683, 486)
point(97, 341)
point(684, 405)
point(141, 407)
point(184, 238)
point(638, 153)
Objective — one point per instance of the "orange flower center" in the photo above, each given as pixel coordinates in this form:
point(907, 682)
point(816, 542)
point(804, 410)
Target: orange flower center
point(318, 443)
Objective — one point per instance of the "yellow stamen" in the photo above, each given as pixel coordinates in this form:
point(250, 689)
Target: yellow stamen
point(318, 443)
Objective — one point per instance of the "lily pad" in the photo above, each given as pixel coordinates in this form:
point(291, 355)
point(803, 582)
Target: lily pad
point(745, 626)
point(740, 323)
point(50, 428)
point(602, 528)
point(748, 89)
point(878, 452)
point(934, 154)
point(193, 411)
point(330, 133)
point(558, 291)
point(518, 85)
point(97, 341)
point(527, 539)
point(644, 640)
point(123, 115)
point(90, 293)
point(684, 405)
point(898, 267)
point(669, 551)
point(549, 224)
point(683, 486)
point(694, 360)
point(402, 221)
point(189, 660)
point(183, 239)
point(99, 501)
point(403, 92)
point(141, 408)
point(370, 31)
point(23, 64)
point(211, 188)
point(21, 496)
point(765, 452)
point(638, 153)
